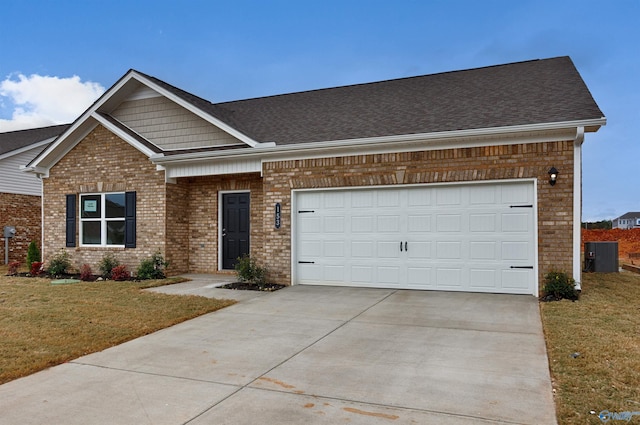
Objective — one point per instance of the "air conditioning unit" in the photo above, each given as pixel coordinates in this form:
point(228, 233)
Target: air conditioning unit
point(601, 257)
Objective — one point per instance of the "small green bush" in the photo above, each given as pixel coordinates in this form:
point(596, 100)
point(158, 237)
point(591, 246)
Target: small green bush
point(248, 270)
point(33, 254)
point(152, 268)
point(106, 265)
point(59, 264)
point(557, 285)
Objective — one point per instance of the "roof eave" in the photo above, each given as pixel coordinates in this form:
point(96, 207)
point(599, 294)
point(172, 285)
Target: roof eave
point(591, 125)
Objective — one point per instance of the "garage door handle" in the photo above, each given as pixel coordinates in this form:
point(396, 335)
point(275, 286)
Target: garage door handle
point(522, 267)
point(405, 247)
point(400, 246)
point(306, 262)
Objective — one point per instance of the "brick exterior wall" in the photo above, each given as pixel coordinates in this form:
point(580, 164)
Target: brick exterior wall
point(204, 196)
point(181, 219)
point(102, 162)
point(555, 203)
point(22, 212)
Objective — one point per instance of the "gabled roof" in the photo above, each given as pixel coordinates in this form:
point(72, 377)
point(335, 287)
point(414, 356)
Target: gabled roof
point(546, 94)
point(629, 215)
point(15, 140)
point(517, 94)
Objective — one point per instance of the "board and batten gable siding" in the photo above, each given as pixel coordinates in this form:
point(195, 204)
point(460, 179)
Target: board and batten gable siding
point(12, 180)
point(170, 126)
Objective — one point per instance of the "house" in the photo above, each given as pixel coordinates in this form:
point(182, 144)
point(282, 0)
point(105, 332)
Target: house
point(630, 220)
point(459, 181)
point(19, 192)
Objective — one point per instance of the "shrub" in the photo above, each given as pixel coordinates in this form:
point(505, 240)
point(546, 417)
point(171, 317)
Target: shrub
point(59, 263)
point(86, 273)
point(33, 254)
point(107, 264)
point(558, 285)
point(248, 270)
point(120, 273)
point(13, 268)
point(36, 268)
point(152, 268)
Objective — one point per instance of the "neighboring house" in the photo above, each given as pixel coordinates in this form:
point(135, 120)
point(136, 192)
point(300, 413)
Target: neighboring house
point(20, 204)
point(432, 182)
point(630, 220)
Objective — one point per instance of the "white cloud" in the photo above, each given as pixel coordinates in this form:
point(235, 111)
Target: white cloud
point(38, 100)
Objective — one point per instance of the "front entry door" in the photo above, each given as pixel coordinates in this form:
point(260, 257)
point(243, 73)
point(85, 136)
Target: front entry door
point(235, 228)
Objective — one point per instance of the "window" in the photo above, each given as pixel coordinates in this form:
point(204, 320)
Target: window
point(102, 219)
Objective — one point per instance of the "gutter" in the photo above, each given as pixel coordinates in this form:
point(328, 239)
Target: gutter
point(272, 149)
point(577, 206)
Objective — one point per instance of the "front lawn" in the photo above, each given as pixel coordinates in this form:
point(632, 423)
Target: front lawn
point(594, 349)
point(43, 325)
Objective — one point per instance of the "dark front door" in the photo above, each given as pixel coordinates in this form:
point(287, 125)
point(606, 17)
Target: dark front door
point(235, 228)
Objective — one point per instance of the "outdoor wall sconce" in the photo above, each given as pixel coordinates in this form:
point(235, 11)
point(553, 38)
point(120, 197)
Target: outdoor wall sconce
point(553, 176)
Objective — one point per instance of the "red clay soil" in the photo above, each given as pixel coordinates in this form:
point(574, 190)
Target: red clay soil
point(628, 240)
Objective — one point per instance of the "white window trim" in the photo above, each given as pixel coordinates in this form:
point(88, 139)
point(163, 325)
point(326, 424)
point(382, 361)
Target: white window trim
point(103, 220)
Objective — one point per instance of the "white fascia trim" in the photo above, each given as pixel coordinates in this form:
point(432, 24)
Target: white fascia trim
point(197, 111)
point(577, 206)
point(80, 122)
point(439, 137)
point(123, 135)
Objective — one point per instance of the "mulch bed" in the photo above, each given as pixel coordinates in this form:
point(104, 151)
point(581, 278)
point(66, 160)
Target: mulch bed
point(246, 286)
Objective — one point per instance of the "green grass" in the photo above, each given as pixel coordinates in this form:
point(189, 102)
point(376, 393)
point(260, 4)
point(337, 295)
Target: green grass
point(42, 325)
point(604, 327)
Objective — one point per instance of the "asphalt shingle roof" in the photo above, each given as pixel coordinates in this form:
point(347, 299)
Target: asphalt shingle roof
point(531, 92)
point(13, 140)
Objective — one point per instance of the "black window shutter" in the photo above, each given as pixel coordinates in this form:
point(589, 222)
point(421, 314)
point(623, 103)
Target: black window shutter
point(130, 219)
point(71, 221)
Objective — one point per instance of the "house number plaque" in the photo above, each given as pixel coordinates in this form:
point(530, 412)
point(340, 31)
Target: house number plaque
point(278, 215)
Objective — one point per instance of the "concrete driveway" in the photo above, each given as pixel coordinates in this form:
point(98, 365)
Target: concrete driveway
point(312, 355)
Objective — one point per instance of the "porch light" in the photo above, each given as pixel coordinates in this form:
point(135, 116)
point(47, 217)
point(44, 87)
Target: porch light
point(553, 176)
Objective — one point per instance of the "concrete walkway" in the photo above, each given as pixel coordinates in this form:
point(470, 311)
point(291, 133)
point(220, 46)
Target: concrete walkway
point(311, 355)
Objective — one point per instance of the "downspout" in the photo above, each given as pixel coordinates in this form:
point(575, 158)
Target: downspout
point(41, 217)
point(577, 205)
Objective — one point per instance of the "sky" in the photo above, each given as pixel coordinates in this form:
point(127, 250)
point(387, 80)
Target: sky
point(56, 58)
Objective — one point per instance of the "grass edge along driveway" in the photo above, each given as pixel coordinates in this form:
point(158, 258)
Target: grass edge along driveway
point(43, 325)
point(593, 347)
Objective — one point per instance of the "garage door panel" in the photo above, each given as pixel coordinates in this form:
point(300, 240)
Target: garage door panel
point(482, 195)
point(389, 275)
point(449, 250)
point(483, 250)
point(334, 273)
point(363, 224)
point(515, 281)
point(516, 223)
point(419, 277)
point(419, 197)
point(484, 279)
point(333, 224)
point(419, 223)
point(516, 251)
point(449, 278)
point(448, 222)
point(388, 250)
point(362, 274)
point(418, 250)
point(482, 222)
point(388, 223)
point(461, 237)
point(333, 249)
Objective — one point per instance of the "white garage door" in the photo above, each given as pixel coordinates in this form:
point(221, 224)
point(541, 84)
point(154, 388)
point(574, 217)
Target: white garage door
point(473, 237)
